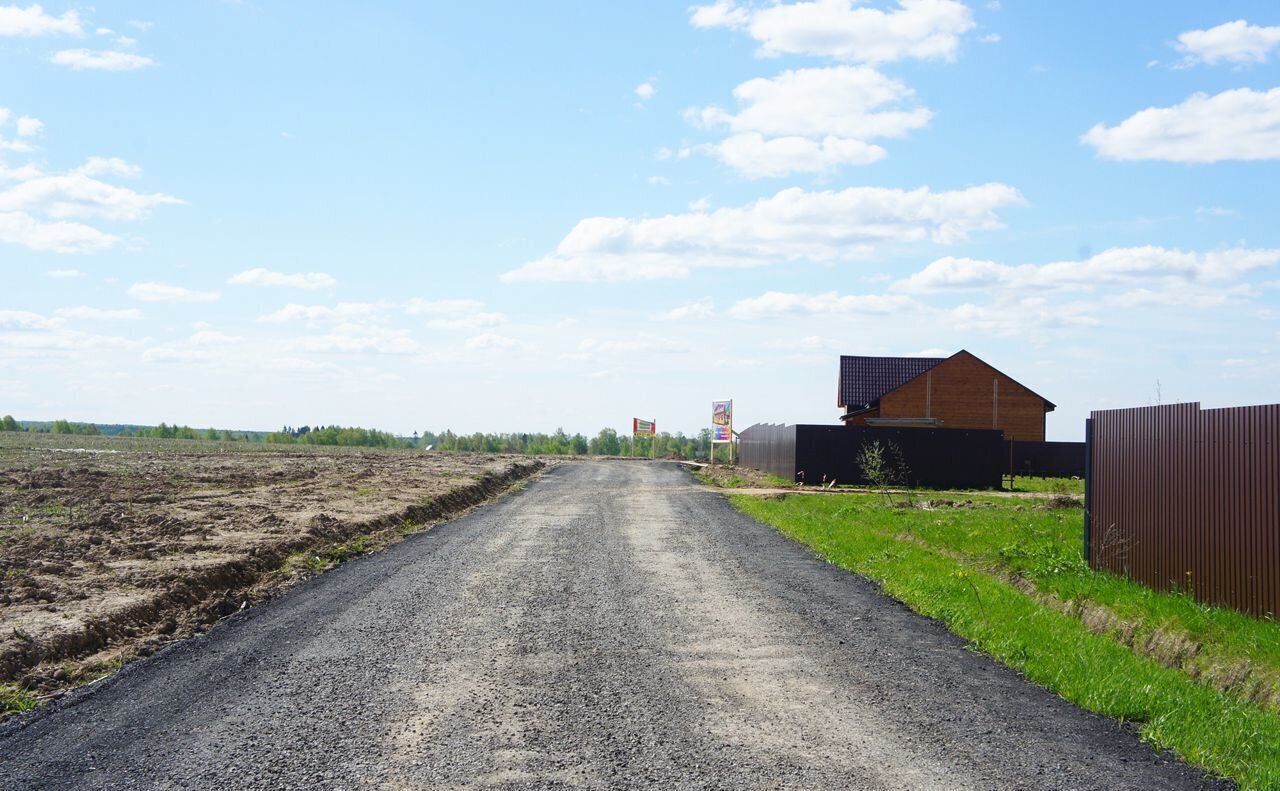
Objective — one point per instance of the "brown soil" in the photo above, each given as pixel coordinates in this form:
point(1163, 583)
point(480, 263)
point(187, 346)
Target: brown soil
point(107, 555)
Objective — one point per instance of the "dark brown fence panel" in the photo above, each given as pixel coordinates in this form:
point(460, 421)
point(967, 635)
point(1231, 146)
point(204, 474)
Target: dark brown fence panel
point(1045, 459)
point(942, 458)
point(769, 447)
point(1187, 499)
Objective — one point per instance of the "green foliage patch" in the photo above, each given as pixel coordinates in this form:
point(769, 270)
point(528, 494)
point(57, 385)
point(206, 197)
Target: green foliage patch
point(963, 566)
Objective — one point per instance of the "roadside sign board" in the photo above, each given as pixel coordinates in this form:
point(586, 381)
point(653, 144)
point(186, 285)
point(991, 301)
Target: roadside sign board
point(643, 428)
point(722, 421)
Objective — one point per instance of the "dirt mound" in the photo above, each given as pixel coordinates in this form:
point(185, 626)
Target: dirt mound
point(107, 556)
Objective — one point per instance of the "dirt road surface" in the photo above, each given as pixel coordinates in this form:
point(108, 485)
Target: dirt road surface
point(612, 626)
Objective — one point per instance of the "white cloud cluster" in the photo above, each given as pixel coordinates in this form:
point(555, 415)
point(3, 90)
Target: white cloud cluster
point(357, 338)
point(161, 292)
point(454, 314)
point(844, 31)
point(261, 276)
point(1020, 317)
point(1118, 265)
point(1238, 43)
point(340, 312)
point(701, 309)
point(79, 193)
point(98, 314)
point(32, 21)
point(39, 210)
point(646, 90)
point(100, 60)
point(776, 304)
point(1239, 124)
point(792, 225)
point(818, 120)
point(811, 120)
point(28, 335)
point(25, 127)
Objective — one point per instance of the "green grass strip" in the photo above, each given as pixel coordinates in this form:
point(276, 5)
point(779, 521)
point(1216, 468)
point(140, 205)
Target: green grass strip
point(1208, 728)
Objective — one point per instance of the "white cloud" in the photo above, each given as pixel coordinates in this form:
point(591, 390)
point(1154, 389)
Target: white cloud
point(807, 343)
point(776, 304)
point(108, 166)
point(34, 198)
point(489, 341)
point(476, 321)
point(351, 338)
point(261, 276)
point(214, 338)
point(1117, 265)
point(455, 314)
point(1020, 318)
point(64, 274)
point(990, 38)
point(811, 120)
point(1180, 295)
point(98, 314)
point(791, 226)
point(659, 181)
point(27, 319)
point(167, 354)
point(755, 157)
point(33, 21)
point(1235, 42)
point(29, 127)
point(160, 292)
point(100, 60)
point(1239, 124)
point(646, 90)
point(838, 29)
point(702, 309)
point(53, 237)
point(79, 194)
point(450, 307)
point(721, 13)
point(71, 342)
point(609, 351)
point(341, 311)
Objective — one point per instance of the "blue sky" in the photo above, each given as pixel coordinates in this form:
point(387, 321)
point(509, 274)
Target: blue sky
point(522, 216)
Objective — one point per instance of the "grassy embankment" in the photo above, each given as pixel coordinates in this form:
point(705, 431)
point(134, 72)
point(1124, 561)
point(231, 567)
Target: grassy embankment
point(1008, 576)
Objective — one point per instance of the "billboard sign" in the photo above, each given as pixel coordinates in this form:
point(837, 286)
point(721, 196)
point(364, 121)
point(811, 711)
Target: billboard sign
point(643, 428)
point(722, 421)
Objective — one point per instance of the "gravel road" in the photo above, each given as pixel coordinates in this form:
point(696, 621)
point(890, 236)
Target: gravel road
point(612, 626)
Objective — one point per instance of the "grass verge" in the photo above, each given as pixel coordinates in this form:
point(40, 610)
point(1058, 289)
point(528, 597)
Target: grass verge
point(15, 700)
point(1009, 578)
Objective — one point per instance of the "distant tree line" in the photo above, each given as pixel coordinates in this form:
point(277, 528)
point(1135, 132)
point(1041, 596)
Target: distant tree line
point(347, 436)
point(608, 442)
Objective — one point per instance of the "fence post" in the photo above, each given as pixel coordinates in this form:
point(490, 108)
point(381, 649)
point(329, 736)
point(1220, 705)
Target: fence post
point(1088, 491)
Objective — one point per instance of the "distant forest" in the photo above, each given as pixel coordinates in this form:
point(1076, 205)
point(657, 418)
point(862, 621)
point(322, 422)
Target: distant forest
point(607, 442)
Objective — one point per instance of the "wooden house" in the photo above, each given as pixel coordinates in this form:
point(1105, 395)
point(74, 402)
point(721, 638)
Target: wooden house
point(960, 391)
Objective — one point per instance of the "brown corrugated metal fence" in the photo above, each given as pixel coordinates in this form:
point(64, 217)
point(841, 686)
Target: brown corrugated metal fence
point(1181, 498)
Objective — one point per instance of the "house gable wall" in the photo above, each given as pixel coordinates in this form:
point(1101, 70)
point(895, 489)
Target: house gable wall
point(962, 392)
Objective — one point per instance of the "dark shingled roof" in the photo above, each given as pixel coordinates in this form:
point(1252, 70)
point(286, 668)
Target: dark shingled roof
point(864, 379)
